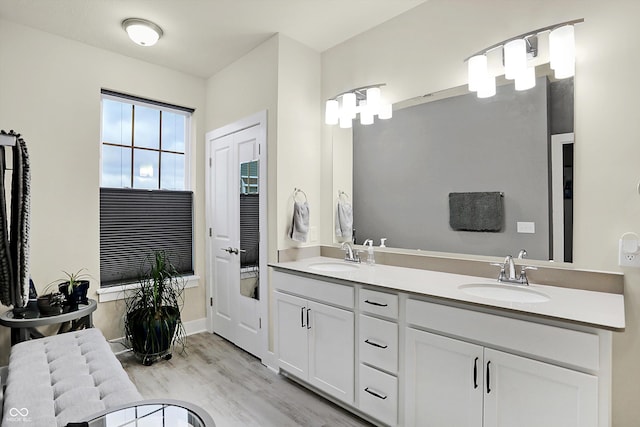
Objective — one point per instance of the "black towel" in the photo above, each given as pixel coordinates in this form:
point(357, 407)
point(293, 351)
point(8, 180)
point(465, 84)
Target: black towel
point(479, 211)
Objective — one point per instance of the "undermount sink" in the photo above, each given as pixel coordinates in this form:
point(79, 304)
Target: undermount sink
point(504, 292)
point(333, 266)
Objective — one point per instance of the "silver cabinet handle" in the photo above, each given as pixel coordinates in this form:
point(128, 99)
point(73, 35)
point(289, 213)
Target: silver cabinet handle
point(302, 317)
point(308, 324)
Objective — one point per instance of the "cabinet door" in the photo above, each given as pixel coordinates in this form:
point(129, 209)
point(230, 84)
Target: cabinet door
point(291, 334)
point(444, 381)
point(331, 350)
point(527, 393)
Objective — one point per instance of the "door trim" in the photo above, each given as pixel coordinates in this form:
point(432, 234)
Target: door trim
point(255, 120)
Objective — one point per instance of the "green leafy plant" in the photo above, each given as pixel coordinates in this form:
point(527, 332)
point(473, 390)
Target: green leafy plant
point(74, 279)
point(153, 324)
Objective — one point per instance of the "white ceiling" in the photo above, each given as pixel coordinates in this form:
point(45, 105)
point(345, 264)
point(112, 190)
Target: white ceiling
point(203, 36)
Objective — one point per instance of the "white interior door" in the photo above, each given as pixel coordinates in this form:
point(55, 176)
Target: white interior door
point(235, 317)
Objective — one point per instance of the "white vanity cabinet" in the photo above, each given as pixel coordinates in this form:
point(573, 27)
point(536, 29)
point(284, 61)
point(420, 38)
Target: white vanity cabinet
point(450, 381)
point(314, 340)
point(384, 347)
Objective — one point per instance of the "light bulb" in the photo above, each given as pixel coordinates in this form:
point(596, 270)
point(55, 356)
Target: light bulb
point(373, 100)
point(515, 58)
point(526, 80)
point(386, 112)
point(345, 122)
point(487, 88)
point(477, 69)
point(348, 105)
point(562, 52)
point(331, 112)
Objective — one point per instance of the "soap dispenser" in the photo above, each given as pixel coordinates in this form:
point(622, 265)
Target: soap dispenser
point(383, 242)
point(370, 256)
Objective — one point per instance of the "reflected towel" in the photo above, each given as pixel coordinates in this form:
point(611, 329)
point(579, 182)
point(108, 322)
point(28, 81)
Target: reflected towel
point(300, 222)
point(344, 219)
point(479, 211)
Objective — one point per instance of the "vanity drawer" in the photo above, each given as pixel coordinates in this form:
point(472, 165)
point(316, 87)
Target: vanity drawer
point(567, 346)
point(378, 395)
point(380, 303)
point(328, 292)
point(378, 343)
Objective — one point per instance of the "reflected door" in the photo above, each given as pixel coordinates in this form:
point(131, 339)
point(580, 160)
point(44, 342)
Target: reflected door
point(235, 316)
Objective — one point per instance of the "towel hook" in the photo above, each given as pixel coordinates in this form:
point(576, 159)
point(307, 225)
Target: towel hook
point(342, 193)
point(296, 191)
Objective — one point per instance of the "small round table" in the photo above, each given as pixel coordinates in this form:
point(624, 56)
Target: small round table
point(154, 412)
point(23, 326)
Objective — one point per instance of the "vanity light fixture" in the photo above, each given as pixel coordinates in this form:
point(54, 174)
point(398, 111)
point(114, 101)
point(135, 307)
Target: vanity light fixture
point(366, 101)
point(518, 52)
point(142, 31)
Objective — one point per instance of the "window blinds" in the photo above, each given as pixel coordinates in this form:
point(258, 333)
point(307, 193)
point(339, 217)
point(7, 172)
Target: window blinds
point(135, 223)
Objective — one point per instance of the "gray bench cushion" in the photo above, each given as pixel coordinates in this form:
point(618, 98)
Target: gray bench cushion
point(64, 378)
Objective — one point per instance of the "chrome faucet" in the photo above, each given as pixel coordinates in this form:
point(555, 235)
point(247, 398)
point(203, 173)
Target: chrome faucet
point(510, 275)
point(349, 254)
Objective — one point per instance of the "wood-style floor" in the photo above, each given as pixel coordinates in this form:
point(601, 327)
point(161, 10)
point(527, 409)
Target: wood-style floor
point(234, 387)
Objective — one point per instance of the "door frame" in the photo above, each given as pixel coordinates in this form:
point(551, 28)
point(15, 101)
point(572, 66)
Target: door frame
point(557, 192)
point(255, 120)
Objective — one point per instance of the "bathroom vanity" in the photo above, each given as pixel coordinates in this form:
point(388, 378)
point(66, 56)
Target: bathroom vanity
point(412, 347)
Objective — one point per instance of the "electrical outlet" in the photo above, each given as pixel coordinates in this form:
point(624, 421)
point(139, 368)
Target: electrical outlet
point(626, 259)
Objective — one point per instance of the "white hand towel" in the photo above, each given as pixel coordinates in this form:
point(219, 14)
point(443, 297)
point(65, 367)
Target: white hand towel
point(300, 222)
point(344, 219)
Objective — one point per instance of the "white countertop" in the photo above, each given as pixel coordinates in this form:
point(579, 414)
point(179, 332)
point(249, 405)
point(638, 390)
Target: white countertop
point(599, 309)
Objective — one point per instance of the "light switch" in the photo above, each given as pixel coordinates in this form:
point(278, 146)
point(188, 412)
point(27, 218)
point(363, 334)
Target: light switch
point(526, 227)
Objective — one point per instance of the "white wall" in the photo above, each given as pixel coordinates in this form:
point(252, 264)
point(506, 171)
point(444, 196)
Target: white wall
point(281, 76)
point(298, 137)
point(423, 50)
point(50, 93)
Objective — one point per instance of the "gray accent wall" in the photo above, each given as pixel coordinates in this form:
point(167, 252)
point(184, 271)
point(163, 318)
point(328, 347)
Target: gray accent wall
point(405, 168)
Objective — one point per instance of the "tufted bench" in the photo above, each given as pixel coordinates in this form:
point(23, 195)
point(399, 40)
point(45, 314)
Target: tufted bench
point(64, 378)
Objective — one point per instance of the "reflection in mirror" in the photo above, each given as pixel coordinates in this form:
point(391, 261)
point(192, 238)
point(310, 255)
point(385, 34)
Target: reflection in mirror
point(405, 169)
point(249, 229)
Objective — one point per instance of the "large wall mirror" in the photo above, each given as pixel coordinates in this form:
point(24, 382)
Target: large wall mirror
point(518, 144)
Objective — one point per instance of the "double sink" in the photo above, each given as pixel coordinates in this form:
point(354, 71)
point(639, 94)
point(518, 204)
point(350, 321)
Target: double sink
point(493, 291)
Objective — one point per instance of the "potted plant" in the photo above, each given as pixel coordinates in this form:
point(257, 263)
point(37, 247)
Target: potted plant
point(74, 287)
point(152, 316)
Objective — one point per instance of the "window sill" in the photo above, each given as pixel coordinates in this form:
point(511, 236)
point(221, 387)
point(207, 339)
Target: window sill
point(114, 293)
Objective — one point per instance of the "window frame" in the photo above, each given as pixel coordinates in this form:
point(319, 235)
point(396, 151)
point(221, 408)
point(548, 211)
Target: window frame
point(119, 291)
point(156, 105)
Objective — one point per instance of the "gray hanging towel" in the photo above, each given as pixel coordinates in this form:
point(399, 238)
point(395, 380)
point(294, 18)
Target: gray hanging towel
point(300, 222)
point(477, 211)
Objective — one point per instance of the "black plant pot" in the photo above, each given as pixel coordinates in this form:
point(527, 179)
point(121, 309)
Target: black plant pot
point(78, 294)
point(151, 336)
point(50, 304)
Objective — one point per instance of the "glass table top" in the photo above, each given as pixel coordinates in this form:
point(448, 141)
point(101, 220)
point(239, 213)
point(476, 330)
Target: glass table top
point(143, 415)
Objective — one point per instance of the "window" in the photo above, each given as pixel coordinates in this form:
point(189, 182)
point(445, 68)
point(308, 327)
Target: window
point(145, 202)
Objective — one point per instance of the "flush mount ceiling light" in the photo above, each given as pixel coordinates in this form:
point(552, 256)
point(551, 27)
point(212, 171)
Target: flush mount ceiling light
point(366, 101)
point(517, 52)
point(142, 31)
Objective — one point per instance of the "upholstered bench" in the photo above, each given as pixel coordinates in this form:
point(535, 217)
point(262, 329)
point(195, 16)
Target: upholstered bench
point(64, 378)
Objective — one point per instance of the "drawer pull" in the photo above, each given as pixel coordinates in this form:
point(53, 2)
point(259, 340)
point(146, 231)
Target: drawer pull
point(375, 344)
point(475, 373)
point(373, 393)
point(375, 303)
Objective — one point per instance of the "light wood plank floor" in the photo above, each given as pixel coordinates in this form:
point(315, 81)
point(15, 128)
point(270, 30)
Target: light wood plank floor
point(234, 387)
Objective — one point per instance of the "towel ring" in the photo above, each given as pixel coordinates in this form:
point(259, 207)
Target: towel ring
point(342, 193)
point(296, 191)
